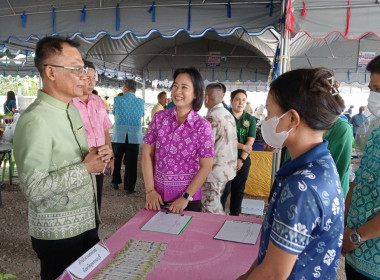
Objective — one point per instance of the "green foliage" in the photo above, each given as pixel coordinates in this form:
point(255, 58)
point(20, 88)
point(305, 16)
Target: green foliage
point(6, 276)
point(147, 121)
point(29, 85)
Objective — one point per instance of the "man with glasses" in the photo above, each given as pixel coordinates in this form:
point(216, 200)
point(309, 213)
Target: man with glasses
point(54, 163)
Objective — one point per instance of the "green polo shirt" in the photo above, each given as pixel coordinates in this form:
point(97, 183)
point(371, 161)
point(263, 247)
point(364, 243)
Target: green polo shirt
point(245, 127)
point(340, 147)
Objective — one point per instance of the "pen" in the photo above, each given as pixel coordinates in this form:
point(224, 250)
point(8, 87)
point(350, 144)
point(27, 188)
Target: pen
point(105, 168)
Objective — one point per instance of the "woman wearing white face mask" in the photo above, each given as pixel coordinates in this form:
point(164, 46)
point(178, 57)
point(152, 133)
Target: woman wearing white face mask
point(302, 232)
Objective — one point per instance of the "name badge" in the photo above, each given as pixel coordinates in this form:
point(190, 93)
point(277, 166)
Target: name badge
point(88, 262)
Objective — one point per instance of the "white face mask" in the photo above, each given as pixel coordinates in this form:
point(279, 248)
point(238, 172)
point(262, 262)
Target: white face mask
point(271, 137)
point(374, 103)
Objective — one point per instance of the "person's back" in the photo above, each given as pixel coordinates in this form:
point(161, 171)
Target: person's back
point(127, 135)
point(358, 119)
point(128, 110)
point(340, 146)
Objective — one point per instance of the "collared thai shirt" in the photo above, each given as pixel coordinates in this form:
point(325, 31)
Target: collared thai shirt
point(128, 111)
point(365, 205)
point(156, 108)
point(49, 146)
point(308, 184)
point(95, 119)
point(245, 127)
point(225, 143)
point(178, 149)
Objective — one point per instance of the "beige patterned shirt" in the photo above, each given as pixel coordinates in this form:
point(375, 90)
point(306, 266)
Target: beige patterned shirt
point(225, 137)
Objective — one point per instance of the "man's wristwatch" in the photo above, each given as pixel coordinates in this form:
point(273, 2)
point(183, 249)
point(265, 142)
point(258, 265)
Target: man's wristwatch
point(355, 237)
point(187, 196)
point(242, 159)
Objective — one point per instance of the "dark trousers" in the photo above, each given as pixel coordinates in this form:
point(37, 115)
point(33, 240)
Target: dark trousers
point(56, 255)
point(99, 189)
point(236, 187)
point(352, 274)
point(131, 152)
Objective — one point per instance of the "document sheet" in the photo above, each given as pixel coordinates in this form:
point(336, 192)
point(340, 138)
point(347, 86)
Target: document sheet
point(166, 222)
point(238, 231)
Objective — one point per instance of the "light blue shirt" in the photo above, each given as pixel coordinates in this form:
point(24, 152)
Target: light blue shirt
point(128, 111)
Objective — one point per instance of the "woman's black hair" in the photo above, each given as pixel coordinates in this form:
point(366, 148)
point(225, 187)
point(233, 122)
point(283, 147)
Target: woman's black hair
point(198, 85)
point(10, 96)
point(313, 93)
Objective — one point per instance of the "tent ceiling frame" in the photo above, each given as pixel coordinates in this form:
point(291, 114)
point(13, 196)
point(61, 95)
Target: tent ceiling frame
point(10, 6)
point(337, 7)
point(331, 52)
point(142, 6)
point(132, 52)
point(357, 61)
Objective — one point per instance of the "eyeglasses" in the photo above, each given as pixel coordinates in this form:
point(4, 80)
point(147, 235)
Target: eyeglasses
point(77, 70)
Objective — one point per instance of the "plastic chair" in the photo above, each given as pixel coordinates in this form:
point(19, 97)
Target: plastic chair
point(12, 165)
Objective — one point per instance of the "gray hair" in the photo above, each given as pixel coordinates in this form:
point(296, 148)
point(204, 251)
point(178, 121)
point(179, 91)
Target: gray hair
point(130, 85)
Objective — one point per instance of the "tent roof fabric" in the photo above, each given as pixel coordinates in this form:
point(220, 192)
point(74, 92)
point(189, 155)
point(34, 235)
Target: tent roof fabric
point(170, 17)
point(325, 17)
point(333, 34)
point(147, 48)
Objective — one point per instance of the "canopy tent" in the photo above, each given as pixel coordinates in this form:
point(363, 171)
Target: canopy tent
point(341, 35)
point(149, 39)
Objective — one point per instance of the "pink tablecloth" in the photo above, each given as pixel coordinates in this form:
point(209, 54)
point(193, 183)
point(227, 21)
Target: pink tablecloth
point(193, 254)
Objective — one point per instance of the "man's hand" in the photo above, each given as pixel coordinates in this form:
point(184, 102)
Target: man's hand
point(106, 153)
point(347, 244)
point(97, 158)
point(247, 149)
point(239, 164)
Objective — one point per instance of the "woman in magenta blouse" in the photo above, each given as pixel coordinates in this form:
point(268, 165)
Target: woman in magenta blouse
point(178, 148)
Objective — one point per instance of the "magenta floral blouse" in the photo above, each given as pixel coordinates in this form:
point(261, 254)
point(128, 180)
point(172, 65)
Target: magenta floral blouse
point(178, 150)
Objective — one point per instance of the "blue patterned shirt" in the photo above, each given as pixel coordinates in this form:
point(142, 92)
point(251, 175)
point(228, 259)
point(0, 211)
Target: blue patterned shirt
point(128, 111)
point(365, 205)
point(306, 214)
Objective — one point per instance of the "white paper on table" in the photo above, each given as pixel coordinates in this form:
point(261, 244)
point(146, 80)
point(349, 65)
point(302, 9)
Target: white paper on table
point(239, 231)
point(258, 212)
point(252, 203)
point(167, 223)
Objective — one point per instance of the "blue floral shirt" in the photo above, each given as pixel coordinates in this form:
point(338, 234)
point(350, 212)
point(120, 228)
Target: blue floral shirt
point(365, 205)
point(128, 111)
point(306, 214)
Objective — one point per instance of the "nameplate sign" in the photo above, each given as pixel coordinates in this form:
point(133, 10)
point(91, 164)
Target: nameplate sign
point(88, 261)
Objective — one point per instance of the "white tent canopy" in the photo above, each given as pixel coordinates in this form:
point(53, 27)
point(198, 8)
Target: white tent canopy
point(334, 34)
point(180, 35)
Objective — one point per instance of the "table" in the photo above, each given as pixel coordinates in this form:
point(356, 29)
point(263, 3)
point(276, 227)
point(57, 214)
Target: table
point(193, 254)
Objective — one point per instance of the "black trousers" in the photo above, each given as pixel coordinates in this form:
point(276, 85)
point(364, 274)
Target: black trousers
point(352, 274)
point(130, 153)
point(99, 189)
point(56, 255)
point(236, 187)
